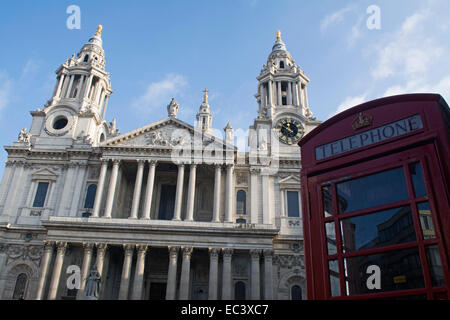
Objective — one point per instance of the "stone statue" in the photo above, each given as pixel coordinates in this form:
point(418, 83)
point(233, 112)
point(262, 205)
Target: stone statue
point(172, 108)
point(24, 136)
point(91, 291)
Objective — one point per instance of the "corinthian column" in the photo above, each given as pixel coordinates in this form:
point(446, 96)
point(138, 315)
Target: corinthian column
point(112, 189)
point(213, 272)
point(179, 193)
point(255, 254)
point(268, 275)
point(229, 195)
point(139, 273)
point(61, 251)
point(172, 273)
point(149, 190)
point(88, 248)
point(100, 186)
point(48, 253)
point(216, 208)
point(126, 270)
point(226, 274)
point(137, 190)
point(185, 271)
point(191, 193)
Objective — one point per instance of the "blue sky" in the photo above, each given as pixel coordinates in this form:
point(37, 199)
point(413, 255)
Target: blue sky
point(156, 50)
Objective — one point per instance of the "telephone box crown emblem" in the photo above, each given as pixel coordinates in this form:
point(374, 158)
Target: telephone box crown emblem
point(362, 121)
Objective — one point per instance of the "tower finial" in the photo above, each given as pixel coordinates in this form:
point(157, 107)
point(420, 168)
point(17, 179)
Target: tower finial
point(99, 30)
point(205, 97)
point(278, 35)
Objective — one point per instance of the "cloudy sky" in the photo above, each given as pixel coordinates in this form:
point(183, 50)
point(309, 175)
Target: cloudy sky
point(156, 50)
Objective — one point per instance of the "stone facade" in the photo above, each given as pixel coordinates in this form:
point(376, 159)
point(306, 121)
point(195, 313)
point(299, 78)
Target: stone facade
point(166, 211)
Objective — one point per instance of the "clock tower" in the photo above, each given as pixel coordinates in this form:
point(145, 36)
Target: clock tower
point(284, 116)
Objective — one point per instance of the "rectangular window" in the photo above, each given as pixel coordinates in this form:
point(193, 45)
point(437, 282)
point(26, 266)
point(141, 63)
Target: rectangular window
point(293, 204)
point(335, 285)
point(417, 178)
point(371, 191)
point(435, 265)
point(331, 238)
point(327, 201)
point(399, 270)
point(41, 193)
point(383, 228)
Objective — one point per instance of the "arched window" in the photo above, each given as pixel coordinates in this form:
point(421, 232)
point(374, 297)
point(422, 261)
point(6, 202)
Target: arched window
point(241, 202)
point(281, 64)
point(296, 293)
point(239, 290)
point(21, 286)
point(86, 58)
point(90, 196)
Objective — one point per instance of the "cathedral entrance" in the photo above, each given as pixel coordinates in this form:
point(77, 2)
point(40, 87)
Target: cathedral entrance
point(167, 202)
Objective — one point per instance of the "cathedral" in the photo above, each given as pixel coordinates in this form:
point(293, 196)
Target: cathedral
point(166, 211)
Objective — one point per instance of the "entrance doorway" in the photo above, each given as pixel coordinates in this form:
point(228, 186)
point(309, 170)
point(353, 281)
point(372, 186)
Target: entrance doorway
point(167, 202)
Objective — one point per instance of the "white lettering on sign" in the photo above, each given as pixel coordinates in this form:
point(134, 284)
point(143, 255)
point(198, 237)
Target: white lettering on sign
point(369, 137)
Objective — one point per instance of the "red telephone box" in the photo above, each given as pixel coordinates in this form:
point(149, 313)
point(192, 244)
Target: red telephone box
point(375, 188)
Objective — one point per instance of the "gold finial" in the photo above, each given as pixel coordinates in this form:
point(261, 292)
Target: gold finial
point(99, 30)
point(205, 97)
point(278, 35)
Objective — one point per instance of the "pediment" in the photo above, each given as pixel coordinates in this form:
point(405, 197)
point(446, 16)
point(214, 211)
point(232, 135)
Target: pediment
point(168, 133)
point(289, 180)
point(44, 174)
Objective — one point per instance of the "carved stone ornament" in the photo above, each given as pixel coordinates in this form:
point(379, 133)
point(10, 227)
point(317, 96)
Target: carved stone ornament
point(362, 121)
point(24, 252)
point(24, 136)
point(288, 261)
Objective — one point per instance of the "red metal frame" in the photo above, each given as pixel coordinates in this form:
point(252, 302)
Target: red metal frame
point(429, 146)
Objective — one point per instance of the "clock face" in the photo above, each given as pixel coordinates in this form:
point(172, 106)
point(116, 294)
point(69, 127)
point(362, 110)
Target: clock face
point(290, 130)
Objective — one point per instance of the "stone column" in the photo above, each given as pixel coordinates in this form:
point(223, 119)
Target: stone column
point(254, 195)
point(306, 97)
point(59, 87)
point(126, 271)
point(69, 87)
point(105, 106)
point(48, 253)
point(279, 93)
point(295, 93)
point(229, 194)
point(282, 203)
point(100, 186)
point(87, 88)
point(185, 271)
point(226, 274)
point(213, 273)
point(88, 248)
point(149, 190)
point(179, 193)
point(137, 190)
point(139, 273)
point(112, 189)
point(269, 93)
point(268, 274)
point(289, 94)
point(61, 251)
point(266, 196)
point(172, 273)
point(255, 290)
point(101, 250)
point(191, 193)
point(217, 184)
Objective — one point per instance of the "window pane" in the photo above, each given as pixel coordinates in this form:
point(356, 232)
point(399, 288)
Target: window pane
point(335, 285)
point(331, 238)
point(21, 284)
point(41, 193)
point(399, 270)
point(241, 202)
point(293, 204)
point(435, 266)
point(90, 196)
point(426, 221)
point(296, 293)
point(327, 201)
point(417, 179)
point(378, 229)
point(370, 191)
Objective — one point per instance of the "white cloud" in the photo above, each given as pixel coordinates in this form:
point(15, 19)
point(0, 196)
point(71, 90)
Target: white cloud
point(5, 90)
point(334, 18)
point(441, 86)
point(157, 95)
point(350, 102)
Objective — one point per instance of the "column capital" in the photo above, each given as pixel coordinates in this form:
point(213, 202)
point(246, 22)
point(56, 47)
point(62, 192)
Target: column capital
point(128, 248)
point(255, 253)
point(88, 246)
point(142, 248)
point(48, 245)
point(254, 171)
point(214, 252)
point(187, 252)
point(227, 252)
point(268, 253)
point(152, 162)
point(140, 161)
point(101, 245)
point(173, 250)
point(61, 245)
point(116, 161)
point(104, 161)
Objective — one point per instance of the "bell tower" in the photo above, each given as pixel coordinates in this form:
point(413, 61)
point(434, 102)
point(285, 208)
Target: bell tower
point(204, 116)
point(77, 109)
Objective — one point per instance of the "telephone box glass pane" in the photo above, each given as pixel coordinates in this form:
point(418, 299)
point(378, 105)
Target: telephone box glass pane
point(398, 270)
point(379, 229)
point(426, 221)
point(435, 266)
point(371, 191)
point(331, 238)
point(417, 177)
point(327, 201)
point(335, 285)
